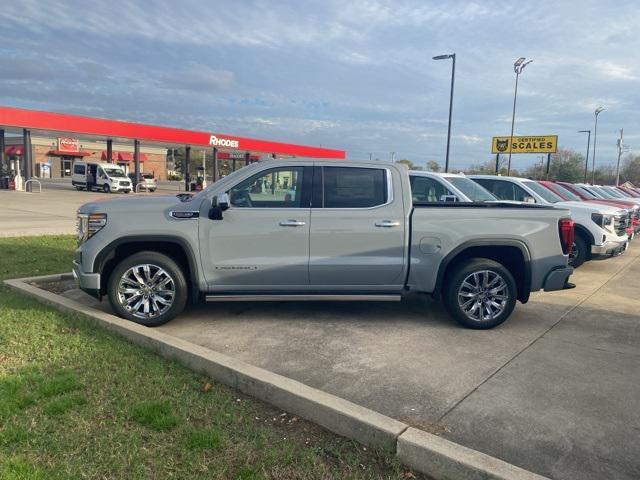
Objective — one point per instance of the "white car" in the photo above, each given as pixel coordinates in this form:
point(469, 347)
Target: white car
point(600, 230)
point(100, 176)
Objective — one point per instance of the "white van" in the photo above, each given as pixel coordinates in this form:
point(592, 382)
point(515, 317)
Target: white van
point(100, 176)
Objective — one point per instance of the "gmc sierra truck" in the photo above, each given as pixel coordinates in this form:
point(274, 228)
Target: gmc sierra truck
point(318, 230)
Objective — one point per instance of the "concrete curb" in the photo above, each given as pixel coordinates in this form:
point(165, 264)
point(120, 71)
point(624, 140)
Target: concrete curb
point(422, 451)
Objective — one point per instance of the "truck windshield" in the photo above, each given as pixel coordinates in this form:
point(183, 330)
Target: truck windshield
point(113, 172)
point(586, 192)
point(566, 193)
point(544, 192)
point(471, 189)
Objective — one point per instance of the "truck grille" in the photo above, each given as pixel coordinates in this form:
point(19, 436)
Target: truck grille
point(124, 184)
point(620, 224)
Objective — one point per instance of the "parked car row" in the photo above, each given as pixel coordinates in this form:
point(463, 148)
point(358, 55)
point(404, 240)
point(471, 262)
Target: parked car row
point(606, 218)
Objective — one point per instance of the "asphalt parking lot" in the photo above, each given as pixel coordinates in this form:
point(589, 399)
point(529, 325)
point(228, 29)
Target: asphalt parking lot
point(53, 211)
point(554, 390)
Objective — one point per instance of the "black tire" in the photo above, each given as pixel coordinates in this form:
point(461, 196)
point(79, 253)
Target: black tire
point(78, 188)
point(152, 190)
point(106, 188)
point(579, 252)
point(156, 261)
point(453, 290)
point(127, 191)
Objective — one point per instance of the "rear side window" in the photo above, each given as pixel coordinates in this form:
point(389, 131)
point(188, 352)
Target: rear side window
point(503, 190)
point(426, 189)
point(346, 187)
point(78, 169)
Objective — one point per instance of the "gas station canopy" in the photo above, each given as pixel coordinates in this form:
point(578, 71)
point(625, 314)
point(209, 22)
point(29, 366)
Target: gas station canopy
point(16, 119)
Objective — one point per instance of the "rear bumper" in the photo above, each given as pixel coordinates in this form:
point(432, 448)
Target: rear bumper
point(609, 249)
point(557, 279)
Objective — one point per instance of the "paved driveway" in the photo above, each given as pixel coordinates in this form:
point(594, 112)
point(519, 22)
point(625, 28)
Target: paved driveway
point(555, 390)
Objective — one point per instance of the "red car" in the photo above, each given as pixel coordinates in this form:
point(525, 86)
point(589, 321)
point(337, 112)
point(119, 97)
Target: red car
point(570, 192)
point(634, 192)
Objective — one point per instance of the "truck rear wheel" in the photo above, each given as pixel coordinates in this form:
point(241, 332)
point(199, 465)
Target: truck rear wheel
point(480, 293)
point(148, 288)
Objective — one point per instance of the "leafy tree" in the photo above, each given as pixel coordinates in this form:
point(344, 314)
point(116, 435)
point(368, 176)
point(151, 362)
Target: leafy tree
point(433, 166)
point(410, 165)
point(489, 167)
point(566, 166)
point(631, 169)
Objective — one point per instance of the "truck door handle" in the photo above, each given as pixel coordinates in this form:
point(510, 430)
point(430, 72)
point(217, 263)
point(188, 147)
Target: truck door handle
point(292, 223)
point(387, 223)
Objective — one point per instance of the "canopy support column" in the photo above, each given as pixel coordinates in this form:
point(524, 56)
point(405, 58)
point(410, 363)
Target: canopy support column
point(214, 176)
point(187, 160)
point(28, 168)
point(109, 150)
point(136, 163)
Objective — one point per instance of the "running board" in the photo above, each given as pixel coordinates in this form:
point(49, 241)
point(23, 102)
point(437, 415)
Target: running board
point(303, 298)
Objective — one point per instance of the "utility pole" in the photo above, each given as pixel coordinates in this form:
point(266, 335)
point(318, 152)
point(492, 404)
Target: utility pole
point(621, 148)
point(452, 56)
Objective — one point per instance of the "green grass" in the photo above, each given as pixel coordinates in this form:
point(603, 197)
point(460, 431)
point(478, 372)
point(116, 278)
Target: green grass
point(77, 402)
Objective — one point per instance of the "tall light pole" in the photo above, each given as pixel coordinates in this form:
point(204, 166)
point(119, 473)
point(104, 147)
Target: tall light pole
point(518, 66)
point(595, 137)
point(586, 163)
point(452, 56)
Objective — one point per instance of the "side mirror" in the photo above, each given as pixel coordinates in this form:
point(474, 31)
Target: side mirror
point(448, 198)
point(223, 201)
point(529, 200)
point(218, 205)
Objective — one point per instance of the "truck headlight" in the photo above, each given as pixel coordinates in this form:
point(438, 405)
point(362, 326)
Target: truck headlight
point(89, 224)
point(604, 221)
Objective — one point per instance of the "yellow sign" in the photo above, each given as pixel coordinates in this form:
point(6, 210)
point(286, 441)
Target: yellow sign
point(543, 144)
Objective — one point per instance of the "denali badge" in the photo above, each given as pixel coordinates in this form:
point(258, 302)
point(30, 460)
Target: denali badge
point(223, 142)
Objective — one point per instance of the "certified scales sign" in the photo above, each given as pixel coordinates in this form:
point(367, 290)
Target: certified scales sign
point(542, 144)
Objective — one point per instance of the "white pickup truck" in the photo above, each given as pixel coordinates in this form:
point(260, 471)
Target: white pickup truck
point(318, 230)
point(603, 227)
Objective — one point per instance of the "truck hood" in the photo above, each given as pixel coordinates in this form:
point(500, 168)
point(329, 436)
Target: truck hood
point(142, 204)
point(589, 208)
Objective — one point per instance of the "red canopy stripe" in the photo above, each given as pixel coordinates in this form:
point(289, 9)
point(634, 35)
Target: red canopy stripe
point(76, 124)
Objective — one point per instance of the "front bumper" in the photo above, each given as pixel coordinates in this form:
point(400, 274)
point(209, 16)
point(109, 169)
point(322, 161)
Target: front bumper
point(557, 279)
point(609, 249)
point(88, 282)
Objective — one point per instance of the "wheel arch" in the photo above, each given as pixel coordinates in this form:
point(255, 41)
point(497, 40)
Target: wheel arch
point(174, 247)
point(512, 254)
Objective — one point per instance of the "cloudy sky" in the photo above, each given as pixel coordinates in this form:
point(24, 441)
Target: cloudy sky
point(355, 75)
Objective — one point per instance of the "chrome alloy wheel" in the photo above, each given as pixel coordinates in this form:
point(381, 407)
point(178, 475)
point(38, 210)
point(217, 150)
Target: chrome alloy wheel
point(146, 291)
point(483, 295)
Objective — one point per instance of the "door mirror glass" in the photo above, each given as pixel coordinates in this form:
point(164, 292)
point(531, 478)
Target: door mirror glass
point(223, 201)
point(529, 200)
point(218, 205)
point(448, 198)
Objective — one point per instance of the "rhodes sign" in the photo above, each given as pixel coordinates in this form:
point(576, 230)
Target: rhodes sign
point(540, 144)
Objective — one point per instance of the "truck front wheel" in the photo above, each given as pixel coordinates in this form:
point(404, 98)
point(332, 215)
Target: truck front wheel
point(148, 288)
point(480, 293)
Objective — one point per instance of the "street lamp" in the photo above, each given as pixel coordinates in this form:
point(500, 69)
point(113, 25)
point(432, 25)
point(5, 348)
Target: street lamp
point(452, 56)
point(595, 136)
point(586, 163)
point(518, 66)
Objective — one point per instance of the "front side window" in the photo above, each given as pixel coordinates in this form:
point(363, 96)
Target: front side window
point(275, 188)
point(78, 169)
point(348, 187)
point(544, 192)
point(427, 189)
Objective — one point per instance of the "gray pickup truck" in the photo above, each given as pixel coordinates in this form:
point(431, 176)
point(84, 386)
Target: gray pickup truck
point(318, 230)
